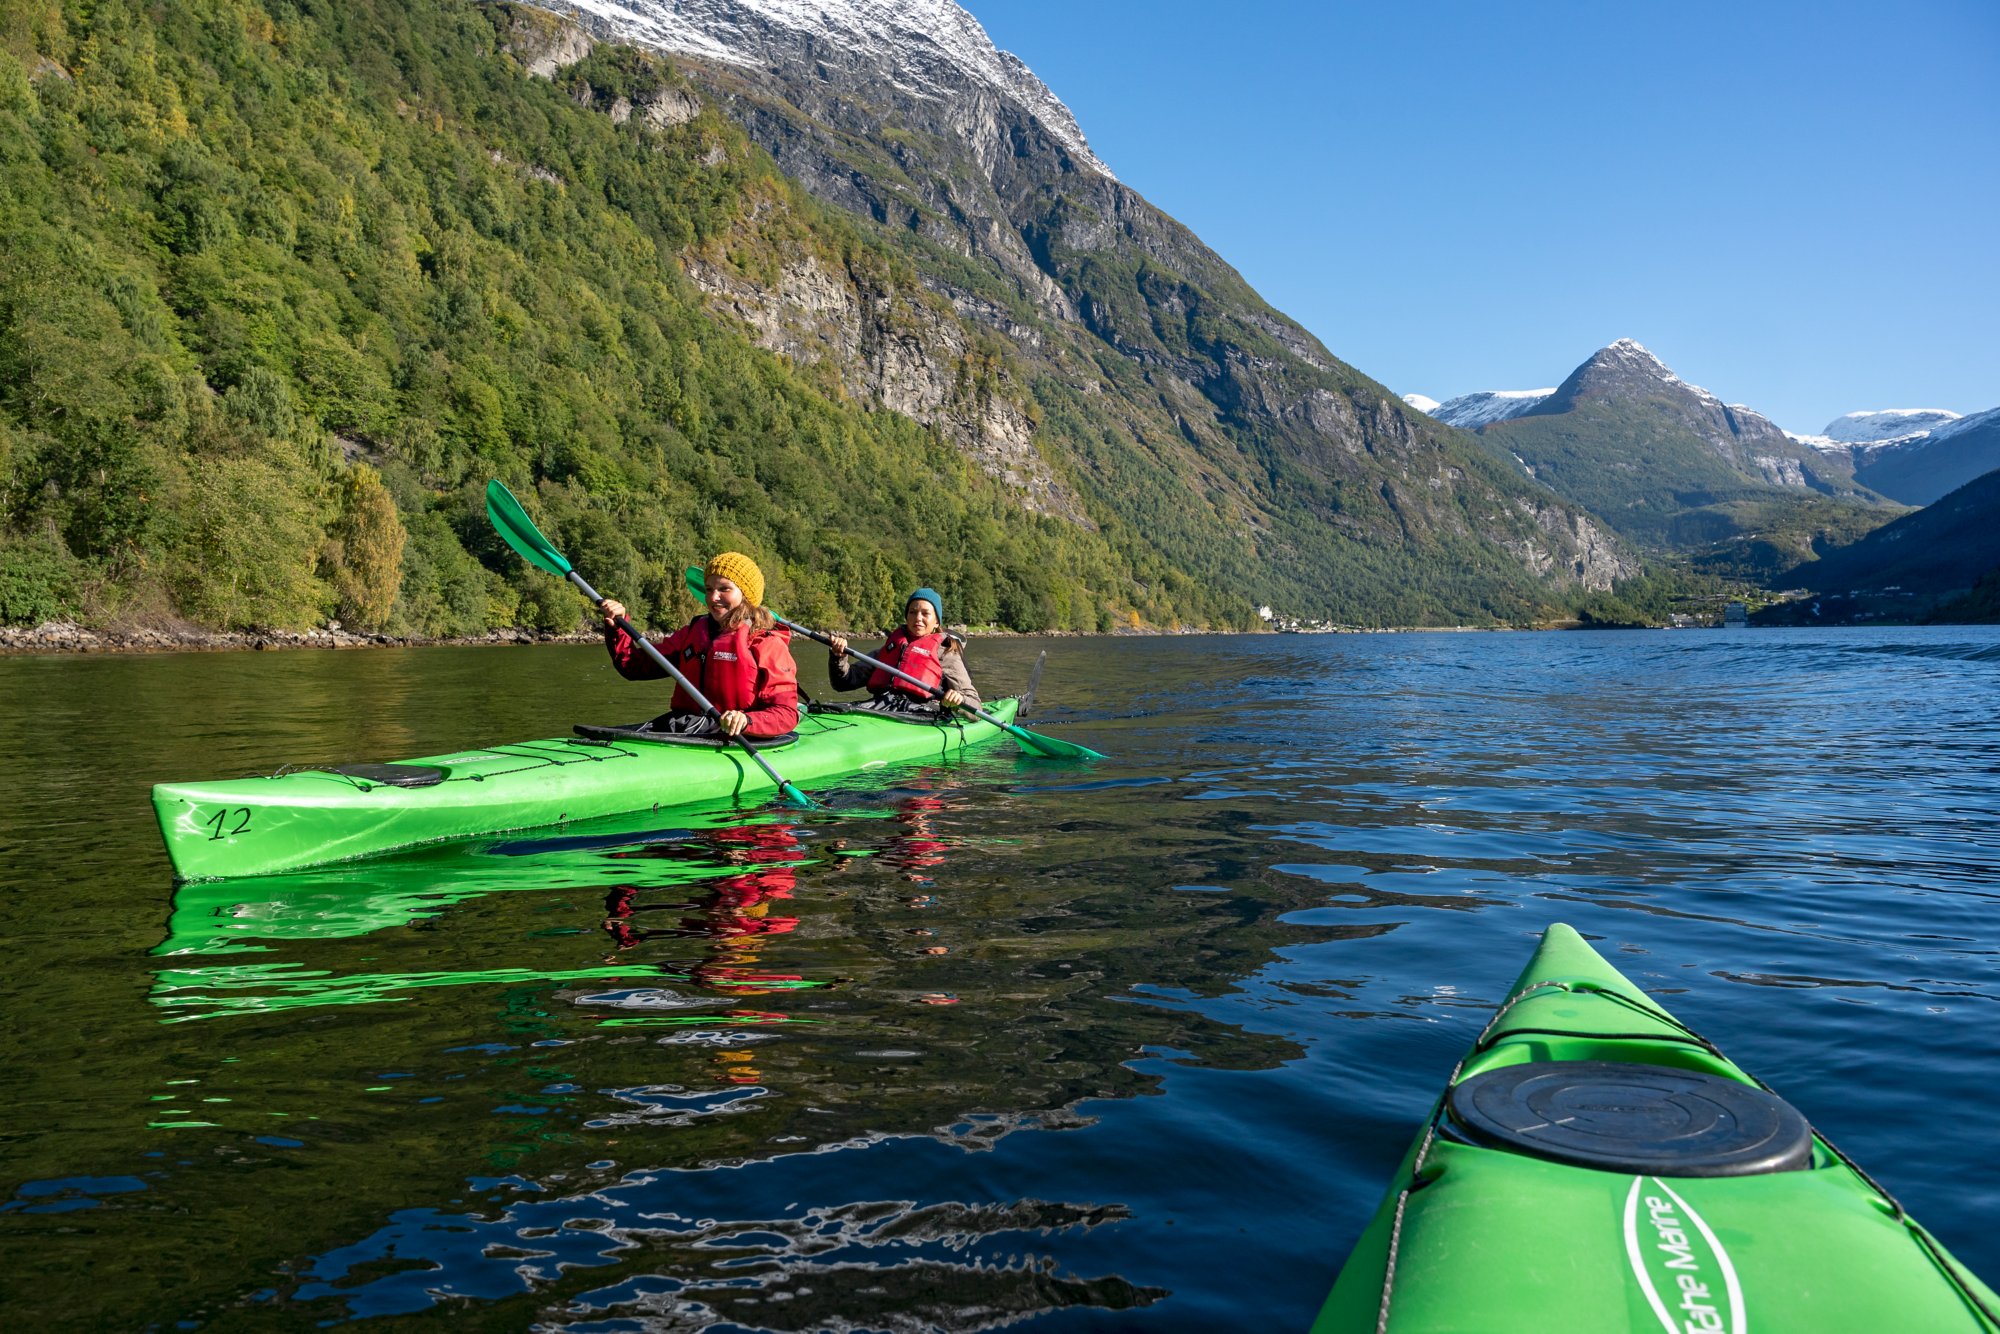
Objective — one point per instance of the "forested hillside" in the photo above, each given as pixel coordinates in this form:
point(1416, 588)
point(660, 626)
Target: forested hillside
point(1939, 552)
point(280, 289)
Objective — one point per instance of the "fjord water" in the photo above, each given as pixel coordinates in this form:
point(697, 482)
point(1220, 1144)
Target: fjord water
point(711, 1070)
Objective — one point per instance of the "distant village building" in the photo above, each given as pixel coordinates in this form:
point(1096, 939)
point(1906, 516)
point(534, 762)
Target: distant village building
point(1735, 616)
point(1266, 614)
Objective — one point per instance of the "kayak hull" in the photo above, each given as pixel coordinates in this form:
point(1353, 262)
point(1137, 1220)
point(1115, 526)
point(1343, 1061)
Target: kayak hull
point(1496, 1239)
point(313, 817)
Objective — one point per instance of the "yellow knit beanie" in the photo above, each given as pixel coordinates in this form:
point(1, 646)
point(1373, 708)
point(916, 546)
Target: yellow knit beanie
point(740, 570)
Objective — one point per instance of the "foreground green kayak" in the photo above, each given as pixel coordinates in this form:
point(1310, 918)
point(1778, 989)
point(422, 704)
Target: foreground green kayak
point(311, 817)
point(1596, 1166)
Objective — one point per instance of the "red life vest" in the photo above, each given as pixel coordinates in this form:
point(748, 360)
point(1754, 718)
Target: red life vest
point(720, 665)
point(921, 658)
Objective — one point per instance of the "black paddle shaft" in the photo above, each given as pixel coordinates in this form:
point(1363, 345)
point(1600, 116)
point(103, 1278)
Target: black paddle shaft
point(827, 639)
point(935, 693)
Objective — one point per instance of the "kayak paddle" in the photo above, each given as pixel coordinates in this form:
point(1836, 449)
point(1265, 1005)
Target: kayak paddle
point(1031, 741)
point(518, 531)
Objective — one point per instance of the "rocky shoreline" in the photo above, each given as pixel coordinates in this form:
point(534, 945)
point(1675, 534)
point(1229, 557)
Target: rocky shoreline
point(68, 637)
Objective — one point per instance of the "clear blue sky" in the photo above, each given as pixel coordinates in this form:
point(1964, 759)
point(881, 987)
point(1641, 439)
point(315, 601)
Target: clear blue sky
point(1795, 205)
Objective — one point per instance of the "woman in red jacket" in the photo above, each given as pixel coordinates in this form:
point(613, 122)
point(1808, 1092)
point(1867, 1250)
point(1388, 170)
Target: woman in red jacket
point(736, 655)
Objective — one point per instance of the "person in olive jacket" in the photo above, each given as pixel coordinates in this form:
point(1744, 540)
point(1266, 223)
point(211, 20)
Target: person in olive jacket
point(921, 647)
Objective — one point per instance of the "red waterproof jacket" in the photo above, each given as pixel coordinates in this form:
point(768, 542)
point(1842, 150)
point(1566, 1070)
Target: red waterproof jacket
point(919, 657)
point(736, 669)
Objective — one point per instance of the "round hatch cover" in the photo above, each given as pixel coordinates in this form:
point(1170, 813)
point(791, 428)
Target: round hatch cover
point(1618, 1117)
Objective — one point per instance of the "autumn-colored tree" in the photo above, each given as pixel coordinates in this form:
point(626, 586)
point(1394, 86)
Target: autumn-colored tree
point(363, 556)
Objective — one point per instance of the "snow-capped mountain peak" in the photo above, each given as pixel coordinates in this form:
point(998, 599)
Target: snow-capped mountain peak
point(1628, 355)
point(1422, 403)
point(927, 49)
point(1886, 424)
point(1469, 411)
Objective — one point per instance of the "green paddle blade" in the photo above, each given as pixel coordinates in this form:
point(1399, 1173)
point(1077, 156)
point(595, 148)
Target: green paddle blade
point(518, 531)
point(1054, 748)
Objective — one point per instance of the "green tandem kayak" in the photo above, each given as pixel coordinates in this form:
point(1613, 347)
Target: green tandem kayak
point(1595, 1165)
point(312, 817)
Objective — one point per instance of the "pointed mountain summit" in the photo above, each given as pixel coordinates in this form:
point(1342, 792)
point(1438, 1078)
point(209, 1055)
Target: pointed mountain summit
point(1673, 467)
point(1627, 375)
point(1622, 369)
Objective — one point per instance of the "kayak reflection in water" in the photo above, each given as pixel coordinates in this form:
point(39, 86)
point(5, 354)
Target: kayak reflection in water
point(920, 647)
point(736, 655)
point(735, 911)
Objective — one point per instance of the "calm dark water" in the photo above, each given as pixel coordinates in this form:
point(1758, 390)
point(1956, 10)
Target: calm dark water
point(1191, 1003)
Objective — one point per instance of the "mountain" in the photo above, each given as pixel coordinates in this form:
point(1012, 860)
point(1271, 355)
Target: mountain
point(1471, 411)
point(1626, 377)
point(283, 285)
point(1185, 412)
point(1913, 456)
point(1884, 425)
point(1937, 552)
point(906, 53)
point(1673, 468)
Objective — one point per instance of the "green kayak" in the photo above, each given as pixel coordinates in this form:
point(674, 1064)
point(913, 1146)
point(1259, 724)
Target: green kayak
point(312, 817)
point(1595, 1165)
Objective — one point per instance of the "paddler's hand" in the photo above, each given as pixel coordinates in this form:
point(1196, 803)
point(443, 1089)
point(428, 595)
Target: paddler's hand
point(732, 722)
point(952, 699)
point(837, 645)
point(613, 610)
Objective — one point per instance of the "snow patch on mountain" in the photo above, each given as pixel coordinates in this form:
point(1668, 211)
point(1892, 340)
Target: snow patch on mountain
point(923, 47)
point(1422, 403)
point(1960, 425)
point(1468, 411)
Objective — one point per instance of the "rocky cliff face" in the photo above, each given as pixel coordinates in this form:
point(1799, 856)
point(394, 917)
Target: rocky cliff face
point(893, 347)
point(899, 352)
point(1169, 383)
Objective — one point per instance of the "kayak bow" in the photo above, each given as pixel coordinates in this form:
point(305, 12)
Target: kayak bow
point(1596, 1165)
